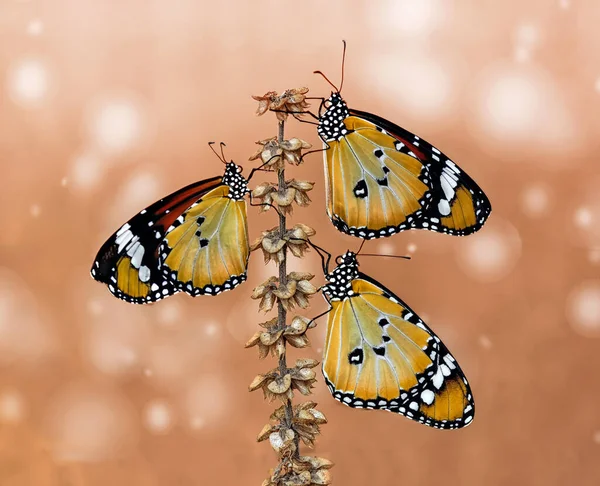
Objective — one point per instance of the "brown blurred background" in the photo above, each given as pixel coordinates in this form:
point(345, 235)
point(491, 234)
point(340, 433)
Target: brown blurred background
point(105, 106)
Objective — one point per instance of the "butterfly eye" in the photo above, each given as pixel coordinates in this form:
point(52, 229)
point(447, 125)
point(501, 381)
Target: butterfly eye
point(339, 260)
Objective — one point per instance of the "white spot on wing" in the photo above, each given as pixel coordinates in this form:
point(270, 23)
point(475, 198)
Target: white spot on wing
point(446, 187)
point(444, 207)
point(144, 273)
point(136, 259)
point(427, 396)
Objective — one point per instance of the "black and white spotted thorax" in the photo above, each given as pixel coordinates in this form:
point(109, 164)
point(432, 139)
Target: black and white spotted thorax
point(331, 122)
point(238, 185)
point(341, 277)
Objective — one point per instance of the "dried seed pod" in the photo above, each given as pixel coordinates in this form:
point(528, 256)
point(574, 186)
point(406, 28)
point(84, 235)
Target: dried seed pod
point(300, 341)
point(317, 463)
point(268, 338)
point(306, 363)
point(264, 188)
point(300, 300)
point(303, 387)
point(280, 384)
point(306, 287)
point(300, 276)
point(266, 431)
point(304, 186)
point(283, 441)
point(318, 416)
point(285, 198)
point(298, 326)
point(292, 150)
point(287, 291)
point(264, 288)
point(270, 323)
point(264, 102)
point(265, 292)
point(290, 101)
point(254, 340)
point(257, 382)
point(320, 477)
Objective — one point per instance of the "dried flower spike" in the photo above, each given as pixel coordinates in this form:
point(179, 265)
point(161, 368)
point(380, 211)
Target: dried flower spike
point(290, 425)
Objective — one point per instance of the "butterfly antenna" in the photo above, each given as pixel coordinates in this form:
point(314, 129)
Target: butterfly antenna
point(222, 152)
point(320, 251)
point(327, 79)
point(361, 247)
point(343, 64)
point(388, 256)
point(210, 144)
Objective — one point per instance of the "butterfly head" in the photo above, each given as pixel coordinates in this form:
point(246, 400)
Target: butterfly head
point(341, 277)
point(238, 185)
point(331, 121)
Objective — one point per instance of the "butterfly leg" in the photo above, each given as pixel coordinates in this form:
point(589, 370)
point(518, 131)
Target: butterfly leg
point(320, 251)
point(322, 313)
point(297, 113)
point(314, 151)
point(264, 204)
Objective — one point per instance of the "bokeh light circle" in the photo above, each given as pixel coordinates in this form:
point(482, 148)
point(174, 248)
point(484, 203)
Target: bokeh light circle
point(490, 254)
point(88, 423)
point(536, 200)
point(29, 82)
point(158, 416)
point(583, 308)
point(12, 406)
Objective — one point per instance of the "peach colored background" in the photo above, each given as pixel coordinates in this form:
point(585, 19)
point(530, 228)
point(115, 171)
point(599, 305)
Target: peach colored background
point(106, 106)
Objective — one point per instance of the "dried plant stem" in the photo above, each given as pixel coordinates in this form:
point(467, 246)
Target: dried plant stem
point(281, 311)
point(289, 423)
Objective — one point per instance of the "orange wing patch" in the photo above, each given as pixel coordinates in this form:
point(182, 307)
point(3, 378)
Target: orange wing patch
point(449, 403)
point(462, 211)
point(373, 186)
point(207, 251)
point(128, 281)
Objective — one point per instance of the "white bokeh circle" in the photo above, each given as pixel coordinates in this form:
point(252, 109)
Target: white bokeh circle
point(29, 82)
point(490, 254)
point(583, 308)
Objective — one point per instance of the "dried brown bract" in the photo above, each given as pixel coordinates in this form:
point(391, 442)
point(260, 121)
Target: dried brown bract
point(272, 340)
point(274, 153)
point(290, 101)
point(273, 244)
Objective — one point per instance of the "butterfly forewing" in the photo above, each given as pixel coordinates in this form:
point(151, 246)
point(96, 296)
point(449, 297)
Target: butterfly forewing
point(458, 205)
point(379, 354)
point(206, 250)
point(374, 187)
point(128, 261)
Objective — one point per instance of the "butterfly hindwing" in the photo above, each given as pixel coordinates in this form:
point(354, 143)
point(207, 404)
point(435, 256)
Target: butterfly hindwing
point(206, 250)
point(458, 206)
point(128, 261)
point(380, 355)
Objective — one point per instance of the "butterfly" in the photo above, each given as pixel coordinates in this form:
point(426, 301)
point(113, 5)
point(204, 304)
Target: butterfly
point(194, 240)
point(382, 179)
point(379, 354)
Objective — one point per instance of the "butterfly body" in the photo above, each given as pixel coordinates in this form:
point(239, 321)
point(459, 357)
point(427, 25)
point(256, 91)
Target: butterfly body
point(380, 355)
point(381, 179)
point(139, 262)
